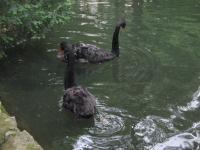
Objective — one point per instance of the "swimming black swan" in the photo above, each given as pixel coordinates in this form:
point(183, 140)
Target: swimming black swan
point(77, 98)
point(94, 54)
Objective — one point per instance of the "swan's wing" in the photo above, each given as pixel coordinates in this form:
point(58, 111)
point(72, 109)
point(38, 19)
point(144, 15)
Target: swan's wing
point(93, 53)
point(80, 101)
point(78, 95)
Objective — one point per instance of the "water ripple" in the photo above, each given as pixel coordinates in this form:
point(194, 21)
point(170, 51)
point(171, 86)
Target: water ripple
point(113, 142)
point(193, 105)
point(108, 130)
point(152, 130)
point(107, 124)
point(188, 140)
point(143, 63)
point(54, 79)
point(151, 134)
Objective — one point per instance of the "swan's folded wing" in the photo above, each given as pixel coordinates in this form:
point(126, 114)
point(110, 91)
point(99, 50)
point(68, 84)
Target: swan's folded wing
point(95, 54)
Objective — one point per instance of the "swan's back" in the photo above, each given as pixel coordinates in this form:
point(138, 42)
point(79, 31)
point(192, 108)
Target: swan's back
point(92, 53)
point(80, 101)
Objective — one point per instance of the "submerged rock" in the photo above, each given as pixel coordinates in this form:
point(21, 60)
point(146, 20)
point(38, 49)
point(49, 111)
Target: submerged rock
point(11, 138)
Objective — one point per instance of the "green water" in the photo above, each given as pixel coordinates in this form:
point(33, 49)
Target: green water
point(149, 95)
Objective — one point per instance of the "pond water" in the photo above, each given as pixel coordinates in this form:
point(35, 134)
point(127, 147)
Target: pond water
point(148, 98)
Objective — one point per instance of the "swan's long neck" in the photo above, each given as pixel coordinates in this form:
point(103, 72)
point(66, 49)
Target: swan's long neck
point(115, 41)
point(70, 75)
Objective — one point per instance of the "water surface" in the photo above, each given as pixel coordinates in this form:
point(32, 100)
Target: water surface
point(148, 98)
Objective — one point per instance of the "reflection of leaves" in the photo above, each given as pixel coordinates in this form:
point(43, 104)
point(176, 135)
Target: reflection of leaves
point(26, 19)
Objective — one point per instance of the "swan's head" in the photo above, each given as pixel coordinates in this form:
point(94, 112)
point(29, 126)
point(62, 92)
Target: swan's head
point(65, 48)
point(122, 23)
point(64, 45)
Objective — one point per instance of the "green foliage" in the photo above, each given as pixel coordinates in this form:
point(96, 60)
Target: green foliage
point(24, 19)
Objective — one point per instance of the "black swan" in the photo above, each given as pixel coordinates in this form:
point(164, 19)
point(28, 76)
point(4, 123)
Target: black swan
point(77, 98)
point(94, 54)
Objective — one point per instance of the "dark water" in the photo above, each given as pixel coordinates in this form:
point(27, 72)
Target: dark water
point(148, 98)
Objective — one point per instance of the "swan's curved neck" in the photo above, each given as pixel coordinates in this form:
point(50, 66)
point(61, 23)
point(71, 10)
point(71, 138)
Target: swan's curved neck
point(115, 41)
point(70, 75)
